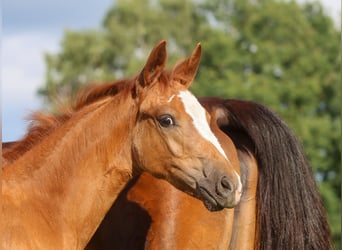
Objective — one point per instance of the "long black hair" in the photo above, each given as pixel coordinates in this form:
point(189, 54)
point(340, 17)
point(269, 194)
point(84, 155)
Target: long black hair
point(290, 213)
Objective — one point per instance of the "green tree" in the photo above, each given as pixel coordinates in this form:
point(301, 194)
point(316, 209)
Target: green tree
point(120, 48)
point(278, 53)
point(287, 57)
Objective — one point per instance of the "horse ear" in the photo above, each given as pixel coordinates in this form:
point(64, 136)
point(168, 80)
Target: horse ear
point(155, 64)
point(186, 71)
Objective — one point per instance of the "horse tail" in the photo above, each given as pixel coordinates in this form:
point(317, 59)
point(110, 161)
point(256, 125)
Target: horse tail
point(290, 210)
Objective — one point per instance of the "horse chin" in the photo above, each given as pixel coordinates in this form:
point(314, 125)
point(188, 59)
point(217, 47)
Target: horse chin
point(211, 206)
point(208, 200)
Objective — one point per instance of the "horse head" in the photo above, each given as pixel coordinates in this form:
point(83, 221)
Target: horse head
point(173, 139)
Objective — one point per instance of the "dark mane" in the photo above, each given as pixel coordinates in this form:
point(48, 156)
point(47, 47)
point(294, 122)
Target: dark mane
point(291, 213)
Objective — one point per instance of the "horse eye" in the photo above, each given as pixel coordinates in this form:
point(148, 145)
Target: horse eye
point(166, 121)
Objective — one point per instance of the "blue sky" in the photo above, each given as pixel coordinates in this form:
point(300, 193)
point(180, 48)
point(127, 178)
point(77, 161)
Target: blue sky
point(31, 28)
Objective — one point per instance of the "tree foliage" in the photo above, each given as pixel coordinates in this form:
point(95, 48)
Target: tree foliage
point(278, 53)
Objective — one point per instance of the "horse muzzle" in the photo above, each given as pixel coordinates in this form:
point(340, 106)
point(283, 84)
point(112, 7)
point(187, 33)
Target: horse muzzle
point(218, 190)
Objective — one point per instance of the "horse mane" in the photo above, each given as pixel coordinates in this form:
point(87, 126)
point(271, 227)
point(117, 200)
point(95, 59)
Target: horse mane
point(290, 210)
point(42, 124)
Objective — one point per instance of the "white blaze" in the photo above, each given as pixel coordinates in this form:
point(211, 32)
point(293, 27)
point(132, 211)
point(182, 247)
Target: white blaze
point(238, 191)
point(171, 98)
point(198, 115)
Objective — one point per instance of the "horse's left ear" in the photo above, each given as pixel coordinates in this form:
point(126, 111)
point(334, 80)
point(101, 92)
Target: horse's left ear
point(186, 71)
point(154, 66)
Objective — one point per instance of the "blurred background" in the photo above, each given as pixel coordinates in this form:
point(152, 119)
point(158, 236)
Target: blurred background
point(283, 54)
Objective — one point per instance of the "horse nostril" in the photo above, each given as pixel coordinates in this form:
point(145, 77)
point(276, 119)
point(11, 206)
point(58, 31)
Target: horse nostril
point(226, 184)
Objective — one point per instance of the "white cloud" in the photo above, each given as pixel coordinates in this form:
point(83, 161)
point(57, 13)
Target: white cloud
point(333, 8)
point(22, 73)
point(23, 62)
point(30, 28)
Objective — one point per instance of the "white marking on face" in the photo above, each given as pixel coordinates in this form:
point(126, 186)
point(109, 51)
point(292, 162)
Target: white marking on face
point(198, 115)
point(238, 191)
point(171, 98)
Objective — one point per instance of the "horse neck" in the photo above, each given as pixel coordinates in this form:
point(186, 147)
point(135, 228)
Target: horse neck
point(77, 171)
point(244, 226)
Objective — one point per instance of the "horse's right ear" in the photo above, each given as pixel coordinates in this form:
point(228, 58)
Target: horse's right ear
point(154, 66)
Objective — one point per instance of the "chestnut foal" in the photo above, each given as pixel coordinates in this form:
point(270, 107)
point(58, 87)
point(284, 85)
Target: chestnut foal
point(56, 194)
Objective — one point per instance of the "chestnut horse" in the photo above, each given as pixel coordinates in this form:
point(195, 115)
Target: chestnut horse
point(56, 193)
point(136, 221)
point(280, 207)
point(13, 150)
